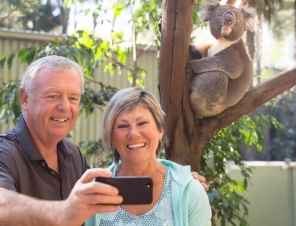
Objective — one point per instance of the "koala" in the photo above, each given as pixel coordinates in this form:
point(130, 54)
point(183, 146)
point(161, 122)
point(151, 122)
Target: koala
point(220, 72)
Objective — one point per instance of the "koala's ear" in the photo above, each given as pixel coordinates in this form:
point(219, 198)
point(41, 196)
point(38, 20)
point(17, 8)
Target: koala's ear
point(250, 17)
point(208, 9)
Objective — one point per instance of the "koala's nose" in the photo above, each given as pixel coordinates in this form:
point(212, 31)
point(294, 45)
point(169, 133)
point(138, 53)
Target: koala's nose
point(228, 19)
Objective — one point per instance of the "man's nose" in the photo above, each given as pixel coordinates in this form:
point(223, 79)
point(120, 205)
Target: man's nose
point(64, 104)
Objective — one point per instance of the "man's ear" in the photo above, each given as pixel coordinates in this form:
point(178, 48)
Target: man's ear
point(24, 99)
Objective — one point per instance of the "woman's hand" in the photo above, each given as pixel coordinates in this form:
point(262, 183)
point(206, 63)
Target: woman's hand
point(201, 179)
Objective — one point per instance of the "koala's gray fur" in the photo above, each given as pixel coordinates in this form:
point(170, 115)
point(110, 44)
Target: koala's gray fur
point(220, 73)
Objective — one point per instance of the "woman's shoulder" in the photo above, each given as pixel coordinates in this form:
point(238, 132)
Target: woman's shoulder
point(180, 174)
point(174, 166)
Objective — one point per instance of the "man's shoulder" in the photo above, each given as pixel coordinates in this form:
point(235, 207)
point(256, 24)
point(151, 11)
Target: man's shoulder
point(9, 144)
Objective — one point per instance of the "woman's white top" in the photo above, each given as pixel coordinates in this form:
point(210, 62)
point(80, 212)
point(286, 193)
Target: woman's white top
point(160, 215)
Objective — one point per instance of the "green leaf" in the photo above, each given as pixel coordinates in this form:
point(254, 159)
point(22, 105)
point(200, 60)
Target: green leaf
point(225, 202)
point(67, 2)
point(2, 60)
point(9, 60)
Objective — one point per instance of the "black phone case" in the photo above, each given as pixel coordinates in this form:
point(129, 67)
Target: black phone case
point(134, 190)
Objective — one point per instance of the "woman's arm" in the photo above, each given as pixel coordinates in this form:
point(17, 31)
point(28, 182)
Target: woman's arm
point(199, 209)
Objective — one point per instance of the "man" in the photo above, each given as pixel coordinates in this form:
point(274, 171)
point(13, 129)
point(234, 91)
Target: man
point(40, 162)
point(39, 165)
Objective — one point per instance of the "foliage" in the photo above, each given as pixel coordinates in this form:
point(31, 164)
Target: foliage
point(29, 15)
point(9, 102)
point(95, 154)
point(91, 99)
point(228, 203)
point(281, 23)
point(141, 18)
point(282, 140)
point(267, 8)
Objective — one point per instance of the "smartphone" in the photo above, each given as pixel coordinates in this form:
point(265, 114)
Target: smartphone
point(135, 190)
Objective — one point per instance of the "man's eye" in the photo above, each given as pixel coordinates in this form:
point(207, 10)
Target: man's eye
point(74, 99)
point(52, 96)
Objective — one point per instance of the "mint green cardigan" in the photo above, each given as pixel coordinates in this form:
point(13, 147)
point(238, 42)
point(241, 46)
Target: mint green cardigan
point(190, 202)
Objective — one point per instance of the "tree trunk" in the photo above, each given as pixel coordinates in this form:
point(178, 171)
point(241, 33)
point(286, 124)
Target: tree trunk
point(258, 49)
point(295, 57)
point(64, 18)
point(181, 135)
point(186, 135)
point(230, 2)
point(250, 43)
point(294, 29)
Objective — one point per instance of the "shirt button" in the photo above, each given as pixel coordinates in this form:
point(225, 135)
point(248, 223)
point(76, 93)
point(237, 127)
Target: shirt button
point(43, 164)
point(52, 173)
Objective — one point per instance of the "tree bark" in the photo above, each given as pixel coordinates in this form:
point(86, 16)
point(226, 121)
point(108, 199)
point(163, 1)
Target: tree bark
point(173, 84)
point(294, 29)
point(186, 136)
point(230, 2)
point(64, 18)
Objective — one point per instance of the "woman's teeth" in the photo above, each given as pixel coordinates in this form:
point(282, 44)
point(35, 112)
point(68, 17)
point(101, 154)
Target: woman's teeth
point(136, 145)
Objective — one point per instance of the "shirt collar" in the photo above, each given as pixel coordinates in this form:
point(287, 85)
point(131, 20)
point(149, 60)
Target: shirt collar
point(28, 145)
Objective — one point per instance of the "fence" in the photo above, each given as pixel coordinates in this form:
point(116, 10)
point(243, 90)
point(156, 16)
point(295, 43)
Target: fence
point(86, 128)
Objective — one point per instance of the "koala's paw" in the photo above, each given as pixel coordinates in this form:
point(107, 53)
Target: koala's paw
point(189, 71)
point(194, 53)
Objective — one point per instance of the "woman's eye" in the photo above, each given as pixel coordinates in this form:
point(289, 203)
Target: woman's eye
point(142, 123)
point(122, 126)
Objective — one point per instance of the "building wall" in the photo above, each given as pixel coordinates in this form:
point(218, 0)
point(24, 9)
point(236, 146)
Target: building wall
point(271, 193)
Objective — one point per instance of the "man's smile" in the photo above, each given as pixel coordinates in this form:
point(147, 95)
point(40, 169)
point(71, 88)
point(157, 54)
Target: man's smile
point(59, 119)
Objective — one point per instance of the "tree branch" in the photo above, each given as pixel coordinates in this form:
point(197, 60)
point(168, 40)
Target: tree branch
point(253, 99)
point(91, 80)
point(142, 28)
point(16, 8)
point(144, 50)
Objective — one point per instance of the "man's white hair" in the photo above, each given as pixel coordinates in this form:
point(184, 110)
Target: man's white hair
point(56, 63)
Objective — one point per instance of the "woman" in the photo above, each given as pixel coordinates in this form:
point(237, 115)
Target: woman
point(133, 128)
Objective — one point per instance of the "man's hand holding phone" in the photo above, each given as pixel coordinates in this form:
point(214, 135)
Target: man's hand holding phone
point(89, 198)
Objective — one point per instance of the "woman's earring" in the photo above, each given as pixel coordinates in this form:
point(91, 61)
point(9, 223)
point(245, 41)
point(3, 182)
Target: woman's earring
point(113, 149)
